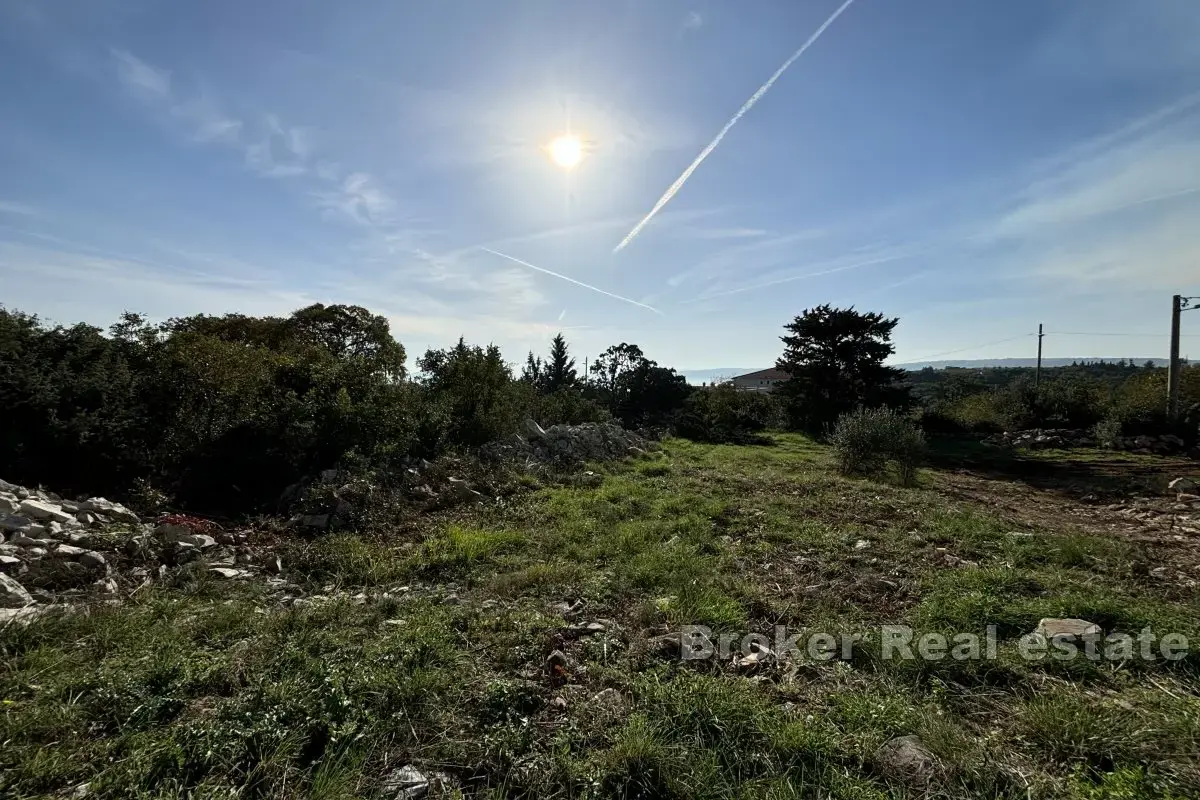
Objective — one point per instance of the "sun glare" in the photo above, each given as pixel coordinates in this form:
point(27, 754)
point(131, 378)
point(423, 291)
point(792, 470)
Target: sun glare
point(566, 151)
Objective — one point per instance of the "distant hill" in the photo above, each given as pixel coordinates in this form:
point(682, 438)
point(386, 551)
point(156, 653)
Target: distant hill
point(699, 376)
point(1022, 362)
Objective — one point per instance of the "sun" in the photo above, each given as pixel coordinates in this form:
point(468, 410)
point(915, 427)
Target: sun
point(565, 151)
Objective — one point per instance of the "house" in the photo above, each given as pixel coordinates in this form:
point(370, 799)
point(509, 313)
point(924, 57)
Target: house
point(765, 380)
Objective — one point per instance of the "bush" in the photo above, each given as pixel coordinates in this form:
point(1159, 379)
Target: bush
point(723, 414)
point(867, 440)
point(1108, 430)
point(567, 406)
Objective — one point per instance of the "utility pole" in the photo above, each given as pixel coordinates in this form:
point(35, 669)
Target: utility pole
point(1037, 375)
point(1178, 305)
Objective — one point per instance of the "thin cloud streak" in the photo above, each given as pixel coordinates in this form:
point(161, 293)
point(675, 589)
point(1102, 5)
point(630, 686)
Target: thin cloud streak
point(790, 278)
point(571, 280)
point(749, 104)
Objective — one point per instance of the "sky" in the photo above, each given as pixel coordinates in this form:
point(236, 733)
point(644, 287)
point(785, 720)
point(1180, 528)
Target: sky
point(972, 167)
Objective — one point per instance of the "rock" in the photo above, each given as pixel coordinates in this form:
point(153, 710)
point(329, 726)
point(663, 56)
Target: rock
point(21, 616)
point(13, 594)
point(21, 540)
point(533, 430)
point(906, 759)
point(862, 544)
point(69, 551)
point(181, 534)
point(227, 573)
point(459, 492)
point(1182, 485)
point(665, 646)
point(567, 610)
point(40, 510)
point(93, 560)
point(405, 783)
point(314, 521)
point(106, 586)
point(1068, 630)
point(88, 518)
point(109, 509)
point(450, 600)
point(10, 565)
point(9, 505)
point(14, 522)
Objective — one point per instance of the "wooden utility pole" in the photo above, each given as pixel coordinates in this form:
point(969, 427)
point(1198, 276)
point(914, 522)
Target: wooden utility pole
point(1037, 375)
point(1173, 365)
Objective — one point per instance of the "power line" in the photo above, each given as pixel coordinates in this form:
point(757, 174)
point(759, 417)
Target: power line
point(1098, 333)
point(975, 347)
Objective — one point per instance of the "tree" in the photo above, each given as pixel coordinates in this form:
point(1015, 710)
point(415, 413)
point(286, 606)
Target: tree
point(650, 394)
point(613, 363)
point(835, 359)
point(560, 368)
point(533, 371)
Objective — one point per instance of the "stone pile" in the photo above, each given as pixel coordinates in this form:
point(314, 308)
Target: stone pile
point(566, 444)
point(1042, 438)
point(54, 550)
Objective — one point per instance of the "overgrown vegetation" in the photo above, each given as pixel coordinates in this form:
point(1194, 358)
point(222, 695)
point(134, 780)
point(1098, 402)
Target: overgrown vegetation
point(1127, 399)
point(218, 690)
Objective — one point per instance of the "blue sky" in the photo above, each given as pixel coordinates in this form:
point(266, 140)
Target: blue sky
point(973, 167)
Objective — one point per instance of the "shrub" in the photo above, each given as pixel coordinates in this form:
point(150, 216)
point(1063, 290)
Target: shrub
point(865, 441)
point(1108, 430)
point(724, 414)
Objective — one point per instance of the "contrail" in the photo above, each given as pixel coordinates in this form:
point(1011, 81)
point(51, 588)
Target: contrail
point(571, 280)
point(831, 271)
point(687, 173)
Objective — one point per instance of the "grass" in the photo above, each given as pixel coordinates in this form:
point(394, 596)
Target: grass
point(209, 689)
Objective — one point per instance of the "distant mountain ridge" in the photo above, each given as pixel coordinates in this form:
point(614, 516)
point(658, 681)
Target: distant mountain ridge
point(699, 376)
point(982, 363)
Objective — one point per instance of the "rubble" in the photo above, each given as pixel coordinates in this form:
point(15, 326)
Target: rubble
point(1043, 438)
point(61, 551)
point(590, 441)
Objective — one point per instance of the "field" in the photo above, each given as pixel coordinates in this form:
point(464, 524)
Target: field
point(523, 649)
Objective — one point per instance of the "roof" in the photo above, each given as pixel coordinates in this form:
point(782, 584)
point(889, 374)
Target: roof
point(771, 374)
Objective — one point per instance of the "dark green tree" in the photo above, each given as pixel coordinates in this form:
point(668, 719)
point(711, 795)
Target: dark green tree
point(835, 359)
point(560, 367)
point(533, 372)
point(612, 364)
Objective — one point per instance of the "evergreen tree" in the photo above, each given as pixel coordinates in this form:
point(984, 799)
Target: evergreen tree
point(559, 372)
point(835, 359)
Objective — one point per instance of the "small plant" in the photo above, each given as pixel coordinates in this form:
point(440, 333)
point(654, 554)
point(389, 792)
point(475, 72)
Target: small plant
point(1107, 431)
point(865, 441)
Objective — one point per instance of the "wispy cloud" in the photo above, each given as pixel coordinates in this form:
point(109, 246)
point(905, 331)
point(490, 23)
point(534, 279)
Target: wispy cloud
point(840, 265)
point(727, 233)
point(571, 280)
point(17, 209)
point(693, 21)
point(674, 188)
point(139, 76)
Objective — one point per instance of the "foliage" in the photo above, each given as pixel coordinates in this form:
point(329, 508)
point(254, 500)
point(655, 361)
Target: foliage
point(722, 413)
point(866, 440)
point(556, 373)
point(835, 359)
point(471, 394)
point(221, 412)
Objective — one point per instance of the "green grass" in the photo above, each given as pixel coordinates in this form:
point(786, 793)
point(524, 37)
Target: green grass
point(214, 689)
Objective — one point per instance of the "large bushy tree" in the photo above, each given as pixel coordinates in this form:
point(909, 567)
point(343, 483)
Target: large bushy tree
point(835, 360)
